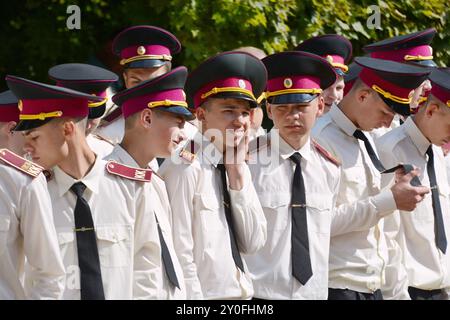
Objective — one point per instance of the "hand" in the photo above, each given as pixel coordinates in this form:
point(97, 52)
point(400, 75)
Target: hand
point(235, 162)
point(407, 196)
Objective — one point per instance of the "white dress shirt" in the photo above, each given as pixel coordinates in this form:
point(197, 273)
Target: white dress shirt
point(358, 258)
point(426, 266)
point(114, 202)
point(100, 146)
point(271, 266)
point(200, 229)
point(27, 230)
point(151, 281)
point(113, 131)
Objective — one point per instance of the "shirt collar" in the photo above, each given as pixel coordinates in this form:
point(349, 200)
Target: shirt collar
point(417, 137)
point(285, 150)
point(124, 157)
point(341, 120)
point(91, 180)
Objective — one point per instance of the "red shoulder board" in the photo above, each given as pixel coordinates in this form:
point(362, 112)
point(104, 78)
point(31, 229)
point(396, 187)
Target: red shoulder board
point(22, 164)
point(127, 172)
point(326, 154)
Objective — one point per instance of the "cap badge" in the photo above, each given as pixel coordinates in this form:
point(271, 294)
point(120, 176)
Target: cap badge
point(287, 83)
point(141, 50)
point(241, 84)
point(329, 59)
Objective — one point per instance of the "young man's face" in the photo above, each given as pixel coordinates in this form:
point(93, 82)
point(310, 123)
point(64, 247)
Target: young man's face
point(166, 132)
point(225, 121)
point(46, 144)
point(372, 111)
point(134, 76)
point(333, 94)
point(438, 115)
point(12, 140)
point(295, 120)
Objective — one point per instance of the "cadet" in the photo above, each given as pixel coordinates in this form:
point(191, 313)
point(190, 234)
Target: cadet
point(414, 49)
point(145, 53)
point(215, 219)
point(298, 189)
point(358, 259)
point(95, 203)
point(26, 222)
point(423, 234)
point(92, 80)
point(337, 50)
point(155, 112)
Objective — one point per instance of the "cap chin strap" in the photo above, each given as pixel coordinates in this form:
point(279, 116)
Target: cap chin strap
point(417, 58)
point(227, 89)
point(390, 96)
point(146, 57)
point(167, 103)
point(41, 116)
point(97, 104)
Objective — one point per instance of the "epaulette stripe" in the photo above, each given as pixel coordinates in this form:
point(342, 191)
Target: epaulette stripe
point(137, 174)
point(22, 164)
point(326, 154)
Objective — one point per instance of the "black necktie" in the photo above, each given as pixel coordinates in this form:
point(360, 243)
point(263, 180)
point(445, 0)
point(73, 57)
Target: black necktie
point(227, 204)
point(358, 134)
point(301, 261)
point(440, 238)
point(88, 260)
point(167, 259)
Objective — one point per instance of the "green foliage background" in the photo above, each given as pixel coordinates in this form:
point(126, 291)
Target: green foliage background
point(34, 36)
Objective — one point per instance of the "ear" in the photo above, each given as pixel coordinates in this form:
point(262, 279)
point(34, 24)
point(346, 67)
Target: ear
point(362, 95)
point(320, 106)
point(68, 128)
point(269, 111)
point(9, 127)
point(432, 108)
point(200, 113)
point(146, 117)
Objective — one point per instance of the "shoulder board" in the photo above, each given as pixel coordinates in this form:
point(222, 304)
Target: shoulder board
point(188, 153)
point(21, 164)
point(258, 143)
point(96, 136)
point(327, 155)
point(121, 170)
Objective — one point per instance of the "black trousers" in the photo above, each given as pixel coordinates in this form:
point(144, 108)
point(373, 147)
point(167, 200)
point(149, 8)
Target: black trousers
point(419, 294)
point(347, 294)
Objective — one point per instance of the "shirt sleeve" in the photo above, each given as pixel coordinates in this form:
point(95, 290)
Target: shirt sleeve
point(46, 272)
point(180, 183)
point(248, 217)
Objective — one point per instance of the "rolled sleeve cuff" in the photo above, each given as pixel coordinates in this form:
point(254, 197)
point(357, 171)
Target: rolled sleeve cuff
point(384, 202)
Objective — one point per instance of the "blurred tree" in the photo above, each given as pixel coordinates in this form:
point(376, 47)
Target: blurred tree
point(34, 36)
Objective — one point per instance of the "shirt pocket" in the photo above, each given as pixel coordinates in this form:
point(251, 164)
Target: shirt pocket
point(4, 228)
point(354, 180)
point(114, 245)
point(209, 208)
point(275, 205)
point(319, 209)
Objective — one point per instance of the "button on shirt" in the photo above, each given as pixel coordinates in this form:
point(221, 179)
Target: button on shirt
point(27, 230)
point(114, 202)
point(427, 267)
point(271, 267)
point(200, 229)
point(150, 278)
point(358, 258)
